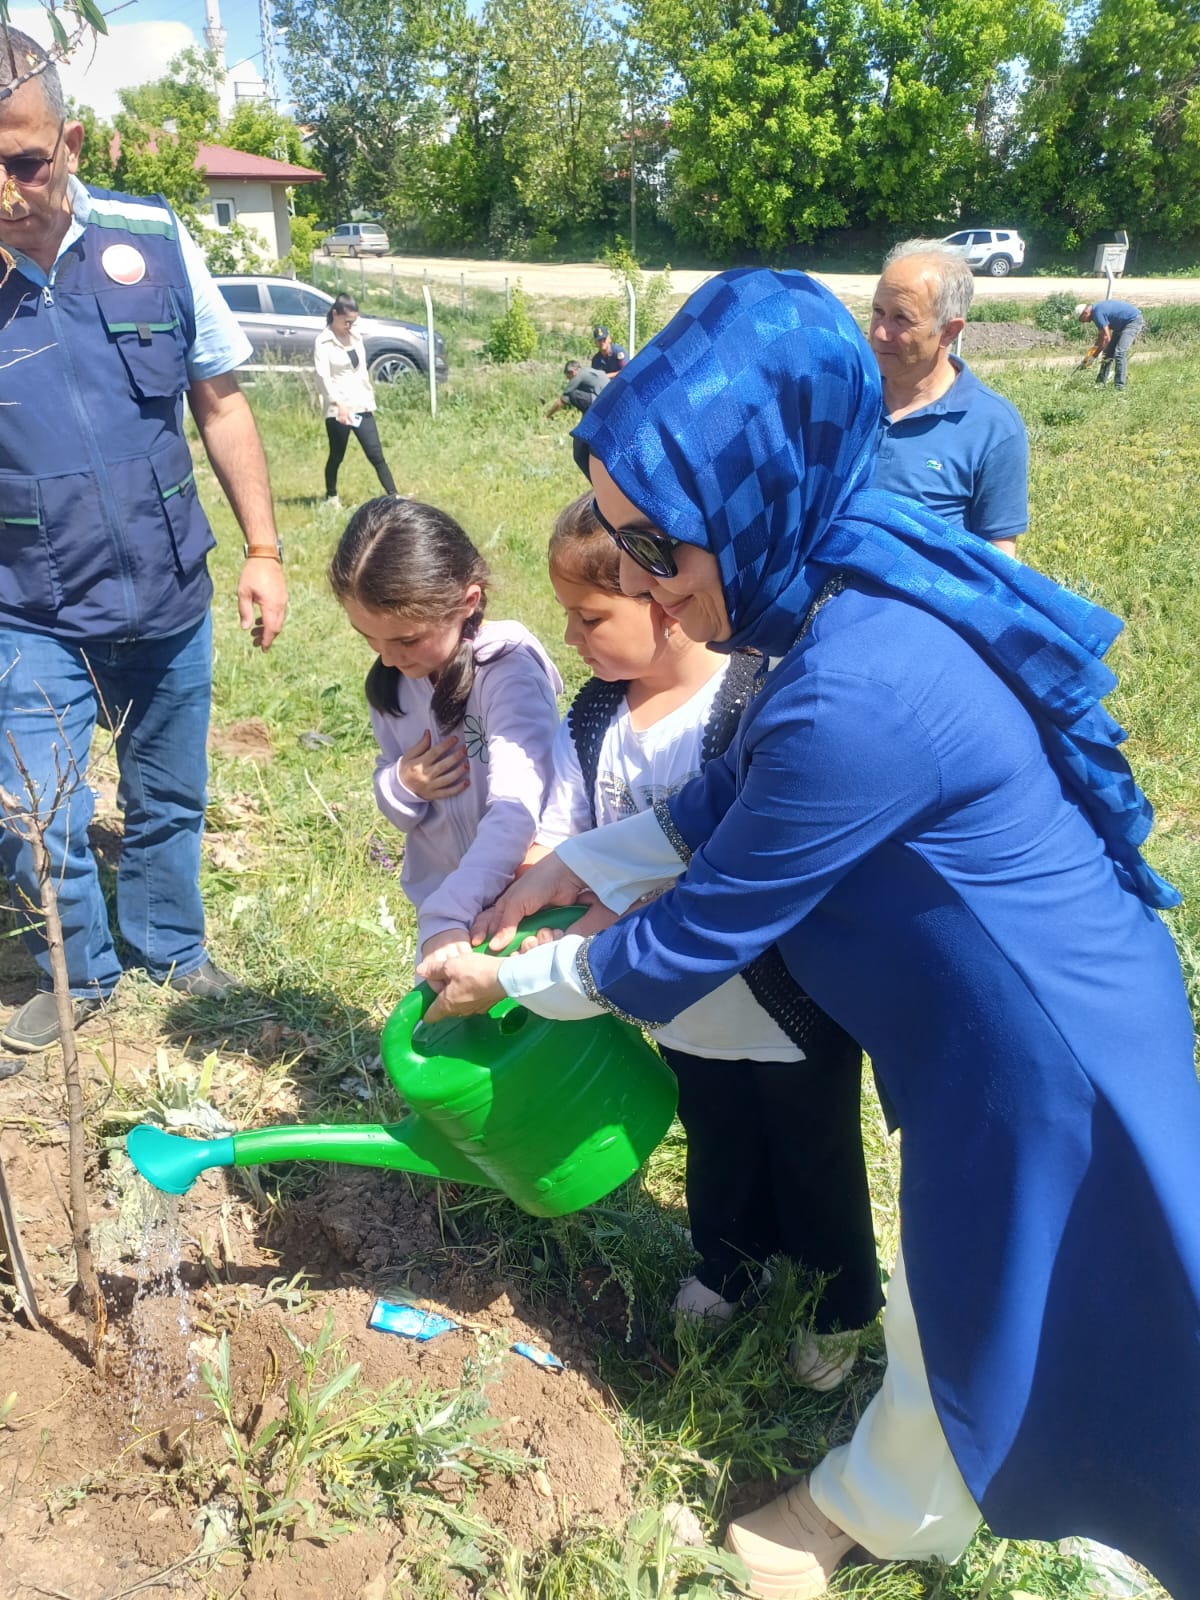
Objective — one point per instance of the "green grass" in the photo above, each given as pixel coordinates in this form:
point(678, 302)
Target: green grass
point(308, 913)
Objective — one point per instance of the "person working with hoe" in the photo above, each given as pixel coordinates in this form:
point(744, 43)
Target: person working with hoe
point(1117, 324)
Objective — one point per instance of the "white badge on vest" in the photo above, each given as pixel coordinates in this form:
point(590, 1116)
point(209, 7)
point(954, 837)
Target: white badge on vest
point(123, 263)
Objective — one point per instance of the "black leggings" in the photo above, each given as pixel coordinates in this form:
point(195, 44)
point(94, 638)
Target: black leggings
point(775, 1165)
point(368, 436)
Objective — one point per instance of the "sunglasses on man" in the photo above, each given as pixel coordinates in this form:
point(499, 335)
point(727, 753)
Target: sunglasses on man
point(32, 172)
point(653, 552)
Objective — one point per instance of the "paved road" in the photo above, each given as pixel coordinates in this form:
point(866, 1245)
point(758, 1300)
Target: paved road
point(588, 281)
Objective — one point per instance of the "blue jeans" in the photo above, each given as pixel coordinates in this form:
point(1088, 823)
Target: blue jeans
point(1123, 336)
point(160, 690)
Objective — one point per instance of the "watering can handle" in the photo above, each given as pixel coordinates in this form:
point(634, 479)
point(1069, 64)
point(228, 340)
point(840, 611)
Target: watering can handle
point(411, 1010)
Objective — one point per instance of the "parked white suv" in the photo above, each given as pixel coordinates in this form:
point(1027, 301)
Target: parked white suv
point(356, 239)
point(996, 251)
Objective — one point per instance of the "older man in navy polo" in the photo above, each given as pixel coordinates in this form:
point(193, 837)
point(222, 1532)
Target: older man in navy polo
point(945, 439)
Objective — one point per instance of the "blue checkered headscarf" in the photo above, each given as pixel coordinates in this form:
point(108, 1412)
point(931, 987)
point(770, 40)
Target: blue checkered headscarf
point(747, 427)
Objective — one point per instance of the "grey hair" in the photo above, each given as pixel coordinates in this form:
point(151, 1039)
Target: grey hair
point(954, 286)
point(37, 63)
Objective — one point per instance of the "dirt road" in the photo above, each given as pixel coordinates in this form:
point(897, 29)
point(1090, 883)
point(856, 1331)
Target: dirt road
point(589, 280)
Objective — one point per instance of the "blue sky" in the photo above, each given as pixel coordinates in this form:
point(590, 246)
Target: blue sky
point(143, 37)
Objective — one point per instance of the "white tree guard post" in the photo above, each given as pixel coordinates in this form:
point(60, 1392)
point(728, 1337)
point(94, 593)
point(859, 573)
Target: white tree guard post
point(432, 347)
point(629, 290)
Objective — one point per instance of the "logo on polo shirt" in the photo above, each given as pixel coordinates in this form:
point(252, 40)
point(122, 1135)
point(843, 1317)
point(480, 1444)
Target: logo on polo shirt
point(934, 463)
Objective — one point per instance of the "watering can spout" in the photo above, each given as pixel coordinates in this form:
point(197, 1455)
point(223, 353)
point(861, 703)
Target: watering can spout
point(554, 1115)
point(173, 1163)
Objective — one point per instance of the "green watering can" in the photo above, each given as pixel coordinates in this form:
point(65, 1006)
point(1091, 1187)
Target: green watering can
point(553, 1114)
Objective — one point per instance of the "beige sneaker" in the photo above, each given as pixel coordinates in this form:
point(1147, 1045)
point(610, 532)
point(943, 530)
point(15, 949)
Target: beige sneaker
point(790, 1547)
point(822, 1361)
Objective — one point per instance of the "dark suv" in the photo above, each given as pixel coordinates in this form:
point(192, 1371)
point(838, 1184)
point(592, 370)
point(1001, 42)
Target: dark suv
point(281, 317)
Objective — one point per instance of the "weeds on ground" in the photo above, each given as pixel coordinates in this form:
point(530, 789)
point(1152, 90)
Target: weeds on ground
point(338, 1456)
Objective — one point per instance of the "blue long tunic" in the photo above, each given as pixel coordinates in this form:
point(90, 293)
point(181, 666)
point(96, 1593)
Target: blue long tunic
point(889, 815)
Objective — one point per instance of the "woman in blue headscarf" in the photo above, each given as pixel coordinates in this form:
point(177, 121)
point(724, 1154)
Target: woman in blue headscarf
point(926, 810)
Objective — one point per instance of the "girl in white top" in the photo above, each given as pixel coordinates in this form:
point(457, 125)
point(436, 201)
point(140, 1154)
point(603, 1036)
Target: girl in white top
point(465, 712)
point(340, 358)
point(770, 1121)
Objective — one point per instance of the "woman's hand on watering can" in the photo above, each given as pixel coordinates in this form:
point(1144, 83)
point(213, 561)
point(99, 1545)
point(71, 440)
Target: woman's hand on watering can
point(547, 883)
point(465, 984)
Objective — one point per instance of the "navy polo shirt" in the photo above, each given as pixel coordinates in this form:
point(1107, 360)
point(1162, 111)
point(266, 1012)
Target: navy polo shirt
point(965, 457)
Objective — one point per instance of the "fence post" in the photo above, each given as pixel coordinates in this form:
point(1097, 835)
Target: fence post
point(431, 347)
point(507, 297)
point(393, 271)
point(462, 293)
point(362, 278)
point(337, 276)
point(632, 317)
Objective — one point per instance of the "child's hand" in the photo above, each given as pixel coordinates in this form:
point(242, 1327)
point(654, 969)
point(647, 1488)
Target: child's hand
point(435, 771)
point(452, 940)
point(465, 984)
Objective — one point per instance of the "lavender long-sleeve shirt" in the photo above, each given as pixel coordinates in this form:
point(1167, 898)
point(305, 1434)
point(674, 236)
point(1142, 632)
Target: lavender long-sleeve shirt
point(462, 852)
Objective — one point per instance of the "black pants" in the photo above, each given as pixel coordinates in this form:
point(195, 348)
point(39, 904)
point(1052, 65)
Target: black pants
point(775, 1166)
point(368, 436)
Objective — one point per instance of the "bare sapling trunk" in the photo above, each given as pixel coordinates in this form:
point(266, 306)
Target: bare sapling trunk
point(31, 819)
point(92, 1299)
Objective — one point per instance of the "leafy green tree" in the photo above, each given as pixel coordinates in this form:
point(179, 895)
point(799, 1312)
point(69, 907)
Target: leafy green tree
point(357, 69)
point(1109, 132)
point(97, 159)
point(456, 181)
point(759, 141)
point(558, 89)
point(185, 97)
point(924, 141)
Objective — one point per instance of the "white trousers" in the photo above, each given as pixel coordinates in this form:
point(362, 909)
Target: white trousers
point(895, 1486)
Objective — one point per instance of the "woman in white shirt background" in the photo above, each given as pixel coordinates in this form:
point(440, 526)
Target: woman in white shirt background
point(340, 358)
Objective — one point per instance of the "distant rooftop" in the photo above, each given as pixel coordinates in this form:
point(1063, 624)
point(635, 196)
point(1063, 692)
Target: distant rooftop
point(218, 162)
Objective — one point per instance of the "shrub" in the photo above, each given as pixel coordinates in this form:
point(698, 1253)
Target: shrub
point(998, 311)
point(229, 250)
point(1056, 314)
point(306, 236)
point(513, 336)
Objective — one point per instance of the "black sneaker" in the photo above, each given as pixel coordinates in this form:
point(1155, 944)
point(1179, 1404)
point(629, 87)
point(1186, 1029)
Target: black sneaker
point(35, 1025)
point(205, 982)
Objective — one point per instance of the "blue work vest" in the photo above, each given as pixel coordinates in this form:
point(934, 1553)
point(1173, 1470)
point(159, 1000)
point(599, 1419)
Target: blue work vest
point(101, 532)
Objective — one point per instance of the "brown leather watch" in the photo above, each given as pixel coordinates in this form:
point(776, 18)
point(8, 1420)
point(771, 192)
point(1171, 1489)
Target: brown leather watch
point(264, 552)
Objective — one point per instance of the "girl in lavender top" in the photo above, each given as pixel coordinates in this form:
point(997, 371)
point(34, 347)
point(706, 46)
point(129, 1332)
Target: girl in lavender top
point(464, 711)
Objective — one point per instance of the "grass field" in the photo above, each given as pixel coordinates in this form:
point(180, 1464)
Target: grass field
point(300, 901)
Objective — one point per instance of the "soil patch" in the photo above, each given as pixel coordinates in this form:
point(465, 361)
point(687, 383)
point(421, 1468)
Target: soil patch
point(243, 741)
point(1012, 339)
point(110, 1480)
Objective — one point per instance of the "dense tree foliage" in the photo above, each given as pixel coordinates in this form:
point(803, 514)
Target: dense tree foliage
point(524, 126)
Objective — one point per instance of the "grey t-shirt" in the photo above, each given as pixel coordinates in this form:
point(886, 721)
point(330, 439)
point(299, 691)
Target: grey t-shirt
point(583, 388)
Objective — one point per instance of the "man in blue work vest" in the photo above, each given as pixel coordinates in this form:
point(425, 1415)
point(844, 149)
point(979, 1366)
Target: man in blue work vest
point(108, 316)
point(945, 439)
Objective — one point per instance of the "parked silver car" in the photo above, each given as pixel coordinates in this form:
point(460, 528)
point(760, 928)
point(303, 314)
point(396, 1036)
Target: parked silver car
point(281, 317)
point(356, 239)
point(994, 251)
